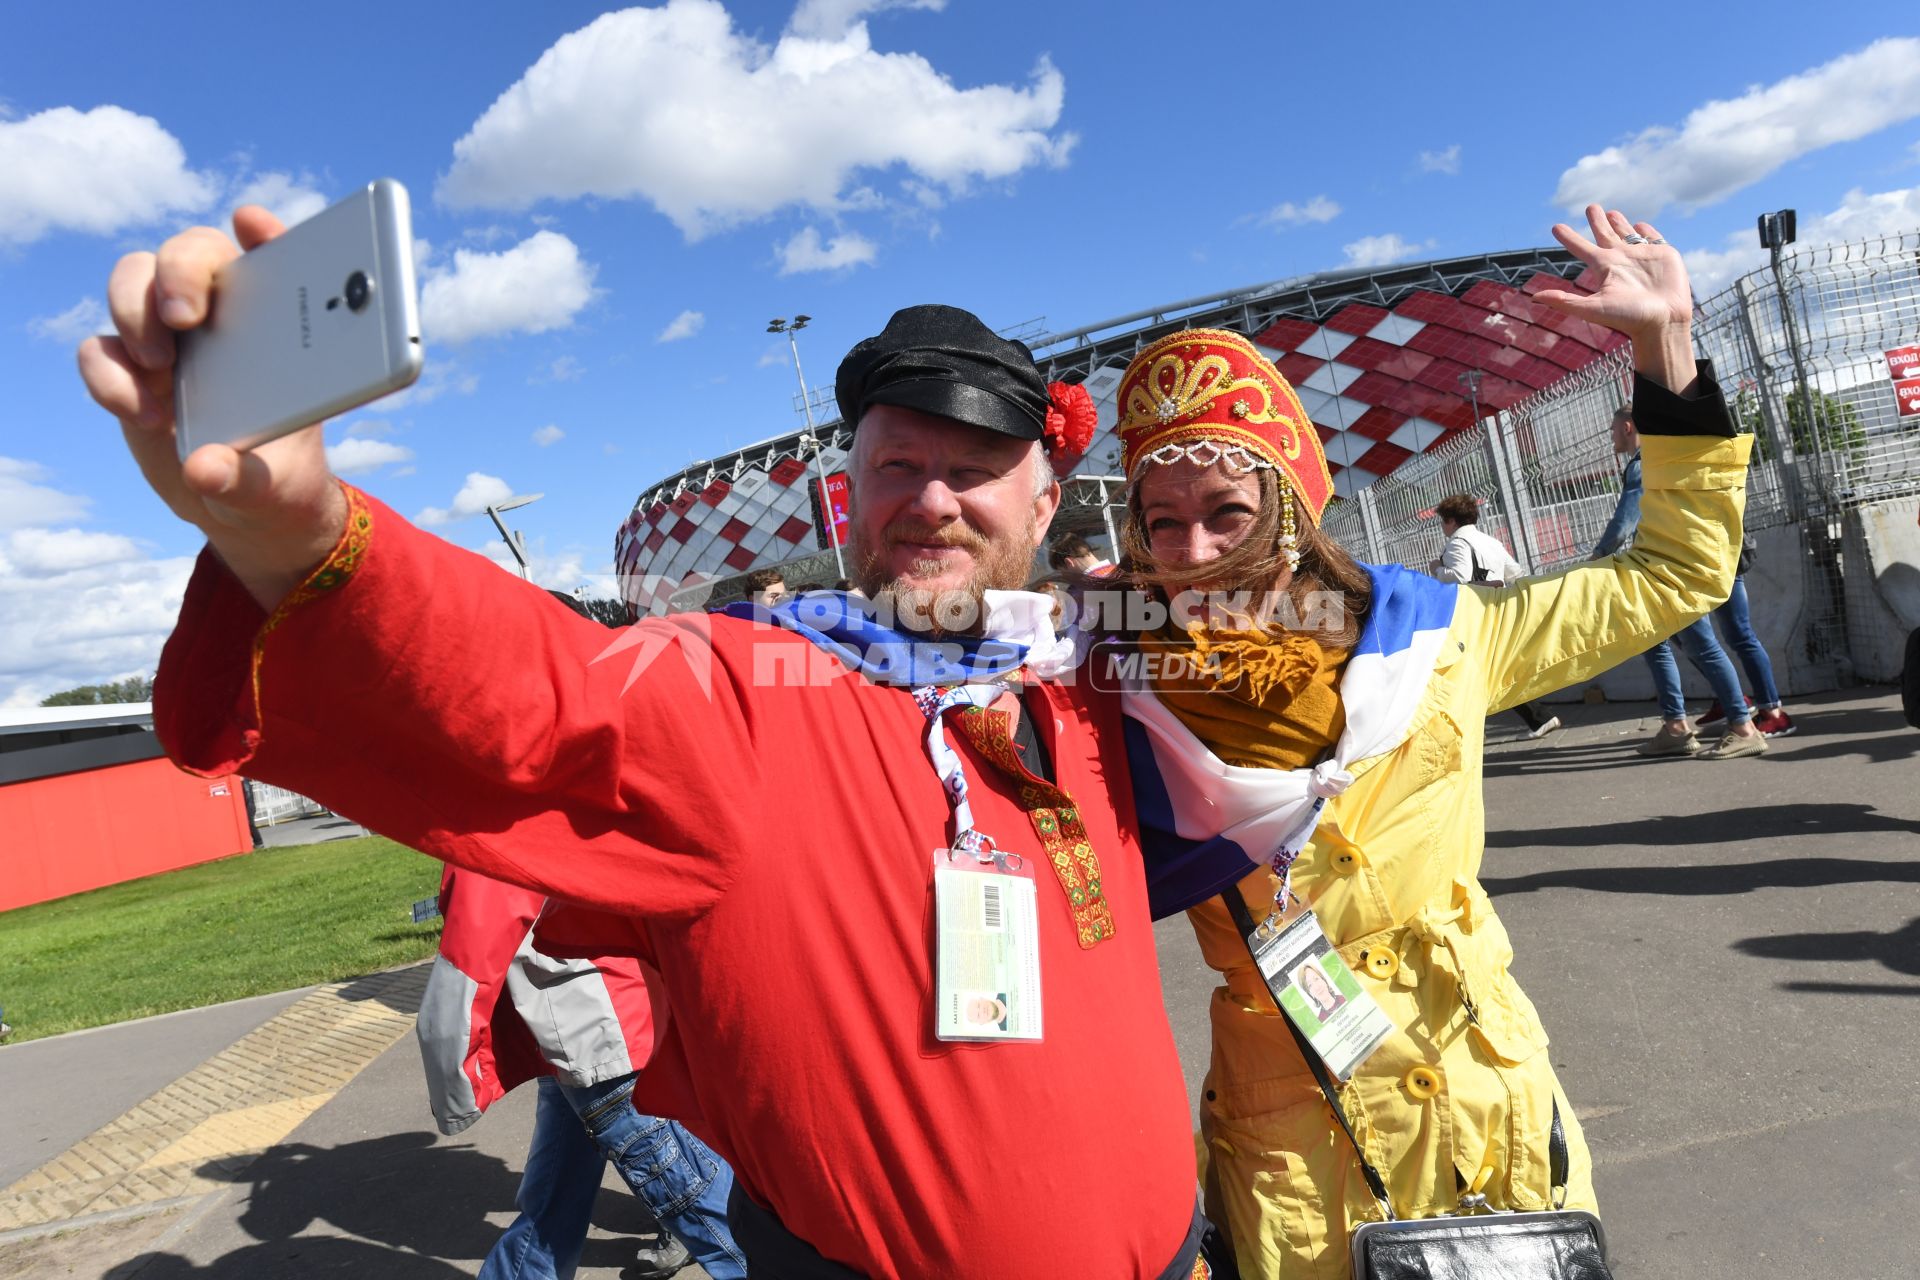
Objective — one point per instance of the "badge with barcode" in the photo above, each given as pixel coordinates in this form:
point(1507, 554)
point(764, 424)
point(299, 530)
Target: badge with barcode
point(986, 951)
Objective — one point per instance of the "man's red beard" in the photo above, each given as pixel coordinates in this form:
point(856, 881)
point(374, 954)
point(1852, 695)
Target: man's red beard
point(957, 610)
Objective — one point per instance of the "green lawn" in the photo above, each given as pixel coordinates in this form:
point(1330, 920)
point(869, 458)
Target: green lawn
point(266, 921)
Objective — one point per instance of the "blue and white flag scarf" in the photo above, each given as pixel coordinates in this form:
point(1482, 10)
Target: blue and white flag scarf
point(1206, 824)
point(960, 671)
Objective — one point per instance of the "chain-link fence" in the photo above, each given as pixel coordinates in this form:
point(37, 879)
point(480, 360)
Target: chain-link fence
point(1800, 350)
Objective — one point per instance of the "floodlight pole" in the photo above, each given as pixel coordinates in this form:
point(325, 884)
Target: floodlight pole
point(1776, 233)
point(780, 325)
point(516, 542)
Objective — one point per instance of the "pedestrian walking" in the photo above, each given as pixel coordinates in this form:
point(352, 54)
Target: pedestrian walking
point(1470, 556)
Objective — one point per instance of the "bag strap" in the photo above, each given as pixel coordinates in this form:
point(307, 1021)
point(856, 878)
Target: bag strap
point(1557, 1157)
point(1243, 920)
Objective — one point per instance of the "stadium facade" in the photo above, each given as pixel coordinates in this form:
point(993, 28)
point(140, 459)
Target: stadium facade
point(1385, 362)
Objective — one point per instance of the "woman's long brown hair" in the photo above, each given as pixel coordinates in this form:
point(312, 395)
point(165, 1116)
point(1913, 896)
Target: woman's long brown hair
point(1257, 563)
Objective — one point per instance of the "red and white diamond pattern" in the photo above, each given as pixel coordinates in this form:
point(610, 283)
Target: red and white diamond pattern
point(763, 517)
point(1384, 386)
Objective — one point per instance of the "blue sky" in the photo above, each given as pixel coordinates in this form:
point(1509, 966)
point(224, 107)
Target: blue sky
point(613, 203)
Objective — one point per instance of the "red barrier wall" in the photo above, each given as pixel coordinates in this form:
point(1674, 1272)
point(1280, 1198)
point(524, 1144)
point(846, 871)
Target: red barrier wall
point(79, 831)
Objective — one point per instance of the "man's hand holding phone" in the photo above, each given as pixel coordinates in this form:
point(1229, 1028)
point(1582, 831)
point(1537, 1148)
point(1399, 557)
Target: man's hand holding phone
point(272, 512)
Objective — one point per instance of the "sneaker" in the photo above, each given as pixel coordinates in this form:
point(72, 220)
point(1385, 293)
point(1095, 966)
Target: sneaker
point(1668, 743)
point(1716, 713)
point(1773, 722)
point(1735, 745)
point(660, 1259)
point(1548, 728)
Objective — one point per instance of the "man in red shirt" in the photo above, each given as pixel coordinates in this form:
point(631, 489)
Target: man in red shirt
point(815, 969)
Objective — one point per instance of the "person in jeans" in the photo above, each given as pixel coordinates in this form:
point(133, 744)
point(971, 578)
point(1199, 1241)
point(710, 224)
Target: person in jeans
point(497, 1012)
point(678, 1177)
point(1736, 623)
point(1676, 736)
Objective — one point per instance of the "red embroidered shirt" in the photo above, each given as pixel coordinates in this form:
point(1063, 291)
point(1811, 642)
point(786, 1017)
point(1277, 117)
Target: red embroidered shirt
point(758, 824)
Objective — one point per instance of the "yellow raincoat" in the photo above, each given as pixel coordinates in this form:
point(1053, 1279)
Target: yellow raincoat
point(1393, 874)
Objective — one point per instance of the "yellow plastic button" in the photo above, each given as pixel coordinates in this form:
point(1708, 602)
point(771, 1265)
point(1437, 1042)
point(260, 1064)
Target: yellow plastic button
point(1379, 962)
point(1346, 862)
point(1226, 1148)
point(1423, 1082)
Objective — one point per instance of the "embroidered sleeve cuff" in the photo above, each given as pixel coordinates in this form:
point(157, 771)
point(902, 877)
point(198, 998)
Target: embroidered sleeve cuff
point(1657, 411)
point(207, 694)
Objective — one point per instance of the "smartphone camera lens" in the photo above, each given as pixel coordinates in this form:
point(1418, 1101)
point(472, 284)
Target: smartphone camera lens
point(359, 289)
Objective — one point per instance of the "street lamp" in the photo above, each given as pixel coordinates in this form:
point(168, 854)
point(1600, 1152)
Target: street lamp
point(1776, 233)
point(779, 324)
point(516, 542)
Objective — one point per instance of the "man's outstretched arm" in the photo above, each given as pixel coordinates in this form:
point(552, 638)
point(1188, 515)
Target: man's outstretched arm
point(327, 645)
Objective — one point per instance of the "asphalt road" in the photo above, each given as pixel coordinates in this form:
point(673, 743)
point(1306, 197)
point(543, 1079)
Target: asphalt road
point(1726, 954)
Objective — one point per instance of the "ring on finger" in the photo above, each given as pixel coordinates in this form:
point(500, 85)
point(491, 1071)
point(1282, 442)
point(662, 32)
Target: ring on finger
point(1656, 240)
point(1634, 237)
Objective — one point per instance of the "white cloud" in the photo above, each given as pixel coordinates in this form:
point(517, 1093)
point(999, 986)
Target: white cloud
point(476, 495)
point(95, 172)
point(673, 106)
point(540, 284)
point(76, 606)
point(24, 502)
point(76, 324)
point(358, 455)
point(1729, 144)
point(368, 427)
point(773, 355)
point(288, 198)
point(1860, 214)
point(1380, 251)
point(38, 553)
point(806, 253)
point(1447, 161)
point(1318, 209)
point(548, 435)
point(826, 19)
point(684, 325)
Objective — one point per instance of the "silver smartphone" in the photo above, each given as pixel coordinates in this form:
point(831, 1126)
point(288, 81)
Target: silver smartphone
point(311, 324)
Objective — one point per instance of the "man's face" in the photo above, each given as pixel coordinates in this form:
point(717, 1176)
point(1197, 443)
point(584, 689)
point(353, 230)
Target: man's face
point(942, 512)
point(1625, 438)
point(770, 595)
point(1448, 528)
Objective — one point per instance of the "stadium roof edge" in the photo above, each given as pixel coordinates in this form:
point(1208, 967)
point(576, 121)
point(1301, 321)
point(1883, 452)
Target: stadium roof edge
point(1320, 293)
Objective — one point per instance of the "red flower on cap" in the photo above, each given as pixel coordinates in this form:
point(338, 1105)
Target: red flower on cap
point(1071, 421)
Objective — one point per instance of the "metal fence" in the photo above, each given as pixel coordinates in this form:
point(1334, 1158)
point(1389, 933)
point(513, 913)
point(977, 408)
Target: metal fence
point(1544, 471)
point(1798, 348)
point(272, 805)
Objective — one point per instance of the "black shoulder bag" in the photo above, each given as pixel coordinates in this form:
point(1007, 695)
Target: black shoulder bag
point(1554, 1244)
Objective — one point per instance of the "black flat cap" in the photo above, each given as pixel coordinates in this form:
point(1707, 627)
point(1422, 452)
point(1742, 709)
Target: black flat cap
point(944, 361)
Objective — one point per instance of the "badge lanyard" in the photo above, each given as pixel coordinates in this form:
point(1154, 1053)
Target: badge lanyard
point(986, 923)
point(935, 702)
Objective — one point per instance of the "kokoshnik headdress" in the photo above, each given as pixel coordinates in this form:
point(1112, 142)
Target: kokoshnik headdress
point(1206, 395)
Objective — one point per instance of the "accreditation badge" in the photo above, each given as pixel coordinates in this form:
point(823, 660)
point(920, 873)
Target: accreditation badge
point(1318, 993)
point(986, 947)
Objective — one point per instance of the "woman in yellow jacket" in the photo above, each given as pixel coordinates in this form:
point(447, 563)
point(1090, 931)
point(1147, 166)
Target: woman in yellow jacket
point(1338, 741)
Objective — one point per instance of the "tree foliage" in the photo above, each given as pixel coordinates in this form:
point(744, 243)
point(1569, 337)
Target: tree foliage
point(1832, 426)
point(611, 612)
point(132, 689)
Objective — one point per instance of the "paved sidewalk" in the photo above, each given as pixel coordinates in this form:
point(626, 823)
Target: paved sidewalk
point(1725, 953)
point(197, 1134)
